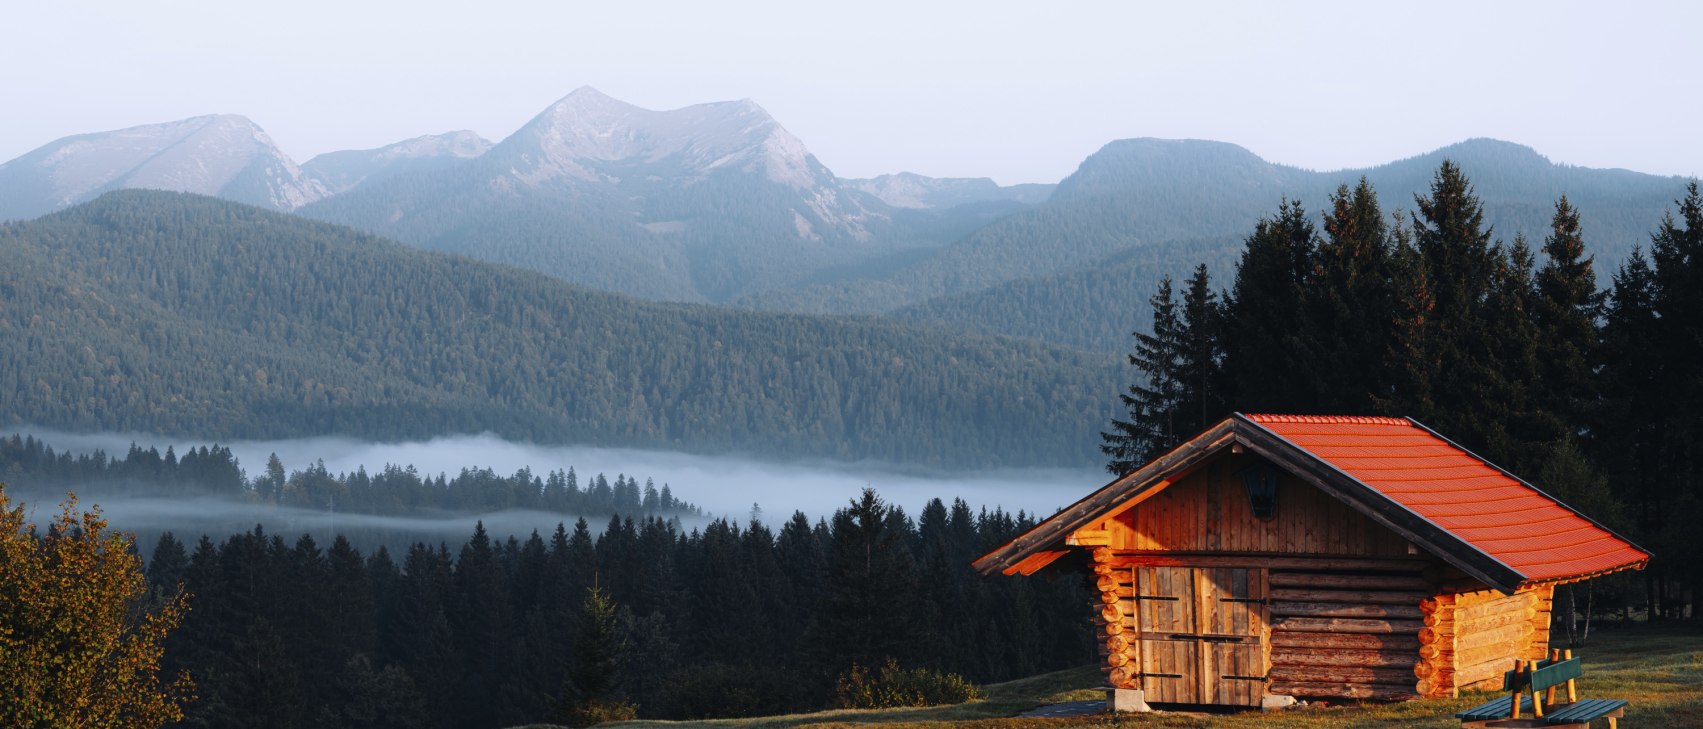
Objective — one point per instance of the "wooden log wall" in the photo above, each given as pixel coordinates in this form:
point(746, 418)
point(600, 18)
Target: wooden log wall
point(1470, 638)
point(1115, 619)
point(1346, 629)
point(1346, 633)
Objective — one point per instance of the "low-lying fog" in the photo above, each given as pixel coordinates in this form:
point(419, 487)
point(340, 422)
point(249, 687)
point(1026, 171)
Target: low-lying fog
point(720, 485)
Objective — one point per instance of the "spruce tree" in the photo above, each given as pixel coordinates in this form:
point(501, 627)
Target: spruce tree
point(1676, 249)
point(593, 693)
point(1150, 426)
point(167, 565)
point(1629, 435)
point(1512, 427)
point(1408, 360)
point(1568, 306)
point(870, 599)
point(1677, 252)
point(1201, 374)
point(1456, 345)
point(1263, 316)
point(1351, 306)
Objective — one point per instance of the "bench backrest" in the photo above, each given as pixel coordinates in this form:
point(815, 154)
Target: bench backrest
point(1549, 673)
point(1556, 674)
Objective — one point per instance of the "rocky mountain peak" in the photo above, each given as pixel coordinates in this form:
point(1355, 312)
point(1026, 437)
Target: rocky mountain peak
point(572, 136)
point(217, 154)
point(345, 170)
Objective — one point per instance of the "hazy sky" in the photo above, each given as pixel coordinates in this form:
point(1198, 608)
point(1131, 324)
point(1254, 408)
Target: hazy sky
point(1020, 92)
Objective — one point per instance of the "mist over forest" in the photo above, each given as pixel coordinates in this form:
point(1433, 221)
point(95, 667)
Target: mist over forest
point(718, 486)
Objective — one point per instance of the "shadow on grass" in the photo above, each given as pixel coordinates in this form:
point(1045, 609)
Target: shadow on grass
point(1658, 668)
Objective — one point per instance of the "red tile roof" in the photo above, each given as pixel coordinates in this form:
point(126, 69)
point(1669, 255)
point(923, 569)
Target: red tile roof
point(1513, 523)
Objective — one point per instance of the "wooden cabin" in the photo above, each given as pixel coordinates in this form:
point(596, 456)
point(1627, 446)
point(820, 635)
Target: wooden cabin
point(1317, 557)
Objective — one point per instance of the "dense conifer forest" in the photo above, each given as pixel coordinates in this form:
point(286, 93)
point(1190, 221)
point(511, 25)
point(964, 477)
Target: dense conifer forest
point(1591, 394)
point(31, 465)
point(727, 620)
point(177, 314)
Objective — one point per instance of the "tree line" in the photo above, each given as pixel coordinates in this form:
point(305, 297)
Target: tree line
point(727, 620)
point(1593, 395)
point(147, 311)
point(29, 464)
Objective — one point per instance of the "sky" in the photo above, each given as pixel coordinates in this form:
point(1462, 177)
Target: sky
point(1020, 92)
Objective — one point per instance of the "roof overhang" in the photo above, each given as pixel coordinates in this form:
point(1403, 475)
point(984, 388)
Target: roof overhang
point(1047, 541)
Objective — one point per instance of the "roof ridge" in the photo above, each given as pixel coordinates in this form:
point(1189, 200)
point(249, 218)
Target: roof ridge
point(1327, 419)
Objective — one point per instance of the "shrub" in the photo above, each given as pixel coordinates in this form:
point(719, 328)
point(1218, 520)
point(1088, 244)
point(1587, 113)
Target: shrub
point(597, 711)
point(894, 686)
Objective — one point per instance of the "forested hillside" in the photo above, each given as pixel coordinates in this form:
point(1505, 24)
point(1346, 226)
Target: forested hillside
point(179, 314)
point(1093, 308)
point(1165, 197)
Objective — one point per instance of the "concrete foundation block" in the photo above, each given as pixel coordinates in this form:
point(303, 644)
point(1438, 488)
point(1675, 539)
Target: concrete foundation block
point(1273, 702)
point(1126, 700)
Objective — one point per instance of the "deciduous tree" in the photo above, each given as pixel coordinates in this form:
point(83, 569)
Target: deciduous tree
point(77, 646)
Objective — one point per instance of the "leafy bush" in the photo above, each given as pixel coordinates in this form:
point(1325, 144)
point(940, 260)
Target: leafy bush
point(895, 686)
point(597, 711)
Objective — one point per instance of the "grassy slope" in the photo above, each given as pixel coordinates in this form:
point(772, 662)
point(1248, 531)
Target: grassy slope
point(1659, 669)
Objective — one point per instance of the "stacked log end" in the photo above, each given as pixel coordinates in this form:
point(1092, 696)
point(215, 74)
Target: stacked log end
point(1116, 619)
point(1435, 669)
point(1493, 629)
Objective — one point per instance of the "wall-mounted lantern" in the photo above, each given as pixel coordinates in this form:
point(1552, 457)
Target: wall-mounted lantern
point(1261, 482)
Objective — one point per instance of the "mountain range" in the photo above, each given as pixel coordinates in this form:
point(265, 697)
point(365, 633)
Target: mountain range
point(719, 203)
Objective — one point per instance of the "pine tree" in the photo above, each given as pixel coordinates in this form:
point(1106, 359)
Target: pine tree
point(1568, 306)
point(1456, 346)
point(479, 615)
point(1263, 317)
point(1513, 426)
point(593, 693)
point(1201, 374)
point(1676, 249)
point(168, 563)
point(1629, 435)
point(871, 591)
point(1411, 366)
point(1677, 474)
point(271, 487)
point(1351, 306)
point(1152, 402)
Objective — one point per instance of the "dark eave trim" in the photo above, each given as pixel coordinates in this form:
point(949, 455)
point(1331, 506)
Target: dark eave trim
point(1381, 508)
point(1053, 531)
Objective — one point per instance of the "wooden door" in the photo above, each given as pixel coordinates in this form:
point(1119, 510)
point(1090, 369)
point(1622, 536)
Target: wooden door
point(1201, 634)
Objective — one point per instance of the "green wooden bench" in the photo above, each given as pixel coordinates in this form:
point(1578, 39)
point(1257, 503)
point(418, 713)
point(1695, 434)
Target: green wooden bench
point(1531, 700)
